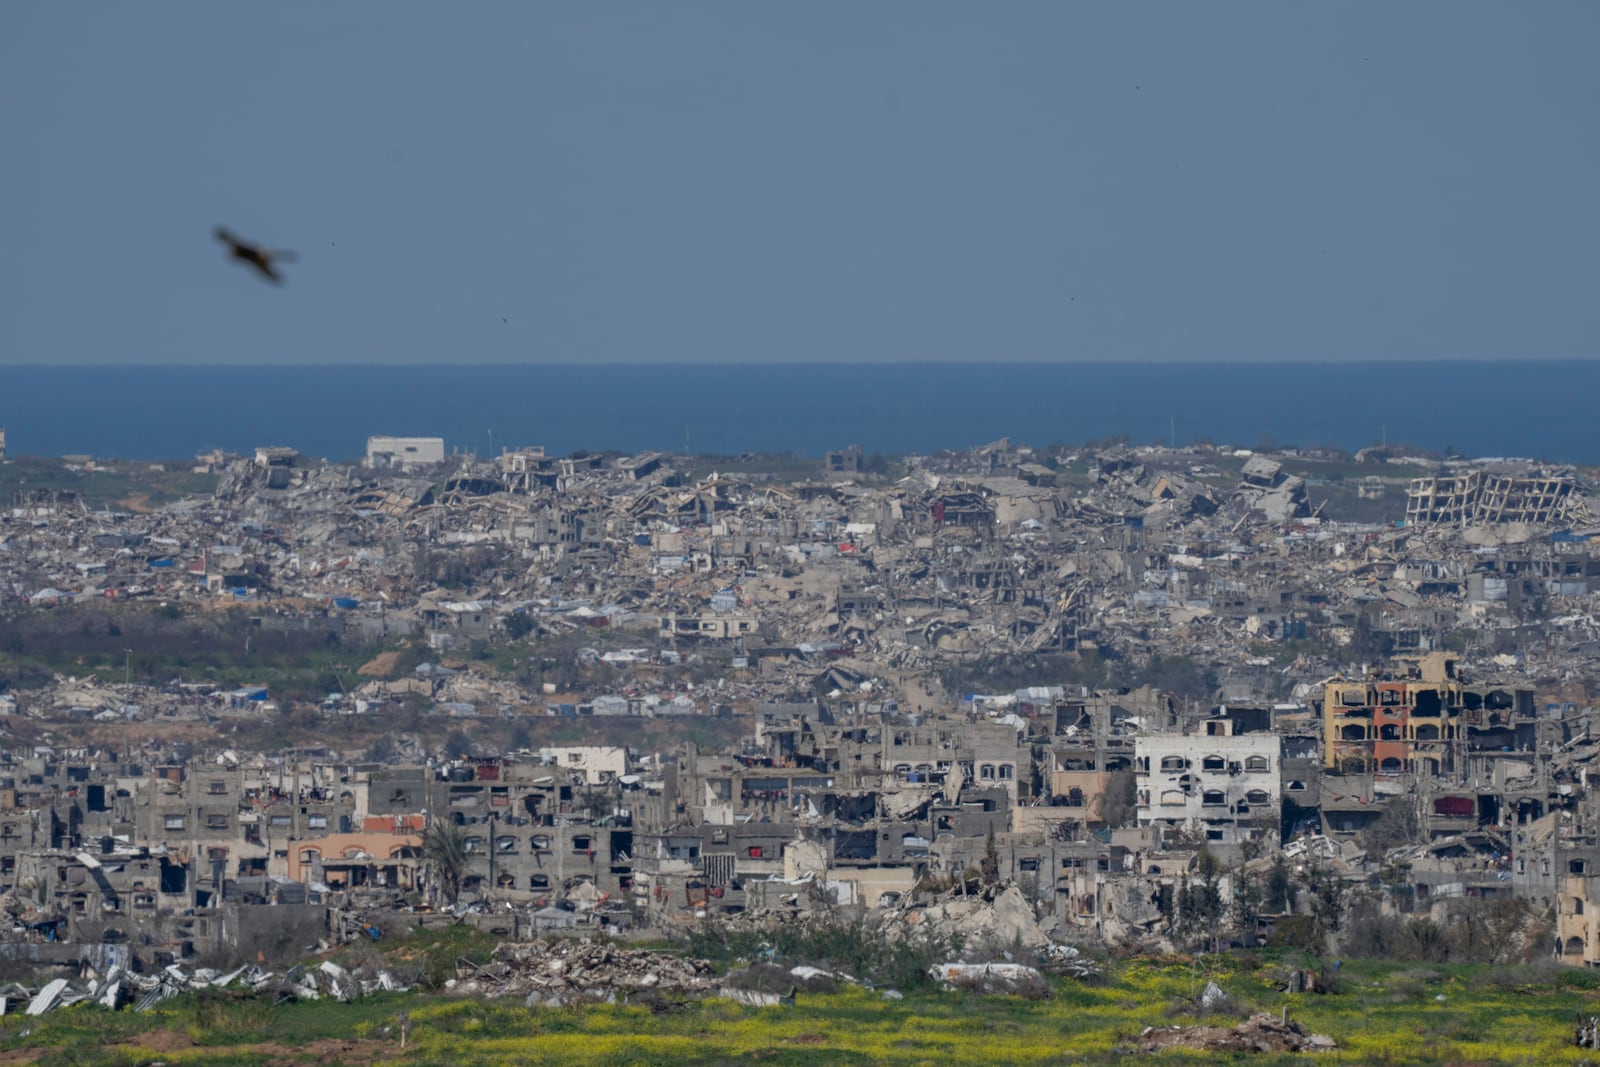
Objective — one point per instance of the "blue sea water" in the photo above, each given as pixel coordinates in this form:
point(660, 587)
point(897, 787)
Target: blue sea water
point(1537, 409)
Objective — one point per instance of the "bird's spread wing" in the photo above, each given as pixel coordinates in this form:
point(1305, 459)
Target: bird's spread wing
point(267, 270)
point(261, 259)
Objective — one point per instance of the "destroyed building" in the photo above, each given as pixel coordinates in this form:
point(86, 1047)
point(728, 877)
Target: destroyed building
point(1489, 496)
point(1340, 668)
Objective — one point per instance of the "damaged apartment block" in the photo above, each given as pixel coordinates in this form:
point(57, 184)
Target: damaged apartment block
point(1486, 496)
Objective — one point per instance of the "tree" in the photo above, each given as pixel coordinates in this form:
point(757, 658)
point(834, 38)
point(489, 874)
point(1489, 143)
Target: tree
point(521, 737)
point(990, 868)
point(594, 804)
point(1398, 825)
point(1200, 905)
point(383, 749)
point(1280, 887)
point(1327, 897)
point(457, 744)
point(519, 626)
point(1368, 643)
point(444, 847)
point(1121, 798)
point(1269, 832)
point(1249, 896)
point(1181, 676)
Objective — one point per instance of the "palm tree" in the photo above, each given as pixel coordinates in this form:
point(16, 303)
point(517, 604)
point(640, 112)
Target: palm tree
point(445, 848)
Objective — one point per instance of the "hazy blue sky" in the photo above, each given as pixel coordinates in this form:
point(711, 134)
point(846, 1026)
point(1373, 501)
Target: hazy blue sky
point(861, 180)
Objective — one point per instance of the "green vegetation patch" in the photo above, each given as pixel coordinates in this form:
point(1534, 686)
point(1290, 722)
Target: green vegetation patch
point(114, 483)
point(1379, 1013)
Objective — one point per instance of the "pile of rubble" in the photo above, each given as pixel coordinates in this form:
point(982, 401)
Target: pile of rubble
point(990, 922)
point(755, 985)
point(564, 972)
point(1066, 960)
point(994, 979)
point(1259, 1033)
point(120, 987)
point(999, 916)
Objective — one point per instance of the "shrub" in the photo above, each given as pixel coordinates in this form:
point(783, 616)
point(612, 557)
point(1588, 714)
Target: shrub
point(1298, 932)
point(847, 944)
point(1408, 985)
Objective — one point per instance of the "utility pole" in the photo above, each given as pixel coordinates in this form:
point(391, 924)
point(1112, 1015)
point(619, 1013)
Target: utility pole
point(127, 667)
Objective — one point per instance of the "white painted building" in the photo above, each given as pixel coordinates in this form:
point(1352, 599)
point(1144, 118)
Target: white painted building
point(402, 453)
point(597, 763)
point(1228, 785)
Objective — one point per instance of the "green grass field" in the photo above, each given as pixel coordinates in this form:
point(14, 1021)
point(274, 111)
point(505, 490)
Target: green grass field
point(1389, 1014)
point(114, 484)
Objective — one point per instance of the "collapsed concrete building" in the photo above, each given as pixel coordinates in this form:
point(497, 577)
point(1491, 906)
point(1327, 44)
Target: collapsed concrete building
point(826, 616)
point(1487, 496)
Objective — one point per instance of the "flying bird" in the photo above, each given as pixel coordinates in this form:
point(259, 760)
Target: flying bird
point(264, 260)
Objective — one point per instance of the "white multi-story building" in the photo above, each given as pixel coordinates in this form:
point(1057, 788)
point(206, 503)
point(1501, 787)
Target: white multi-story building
point(404, 452)
point(1228, 785)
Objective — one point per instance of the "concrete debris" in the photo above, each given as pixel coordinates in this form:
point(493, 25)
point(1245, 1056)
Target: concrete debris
point(48, 997)
point(1068, 961)
point(807, 973)
point(997, 920)
point(751, 998)
point(997, 979)
point(118, 988)
point(1259, 1033)
point(569, 971)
